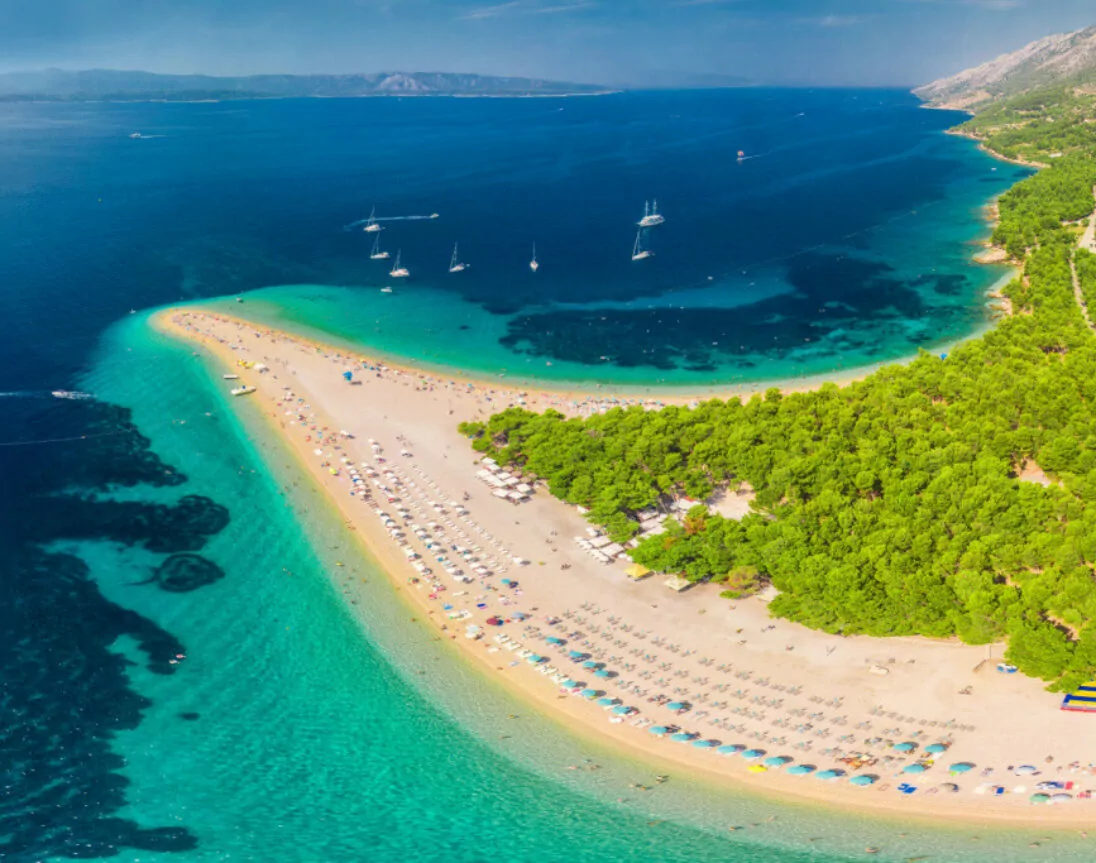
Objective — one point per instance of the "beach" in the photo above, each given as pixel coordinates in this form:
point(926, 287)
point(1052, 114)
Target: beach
point(386, 449)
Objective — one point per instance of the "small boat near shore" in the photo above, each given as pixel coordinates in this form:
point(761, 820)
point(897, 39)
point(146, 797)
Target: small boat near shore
point(378, 254)
point(399, 272)
point(230, 377)
point(243, 391)
point(455, 266)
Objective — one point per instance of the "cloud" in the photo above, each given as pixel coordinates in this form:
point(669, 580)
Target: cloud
point(523, 7)
point(832, 21)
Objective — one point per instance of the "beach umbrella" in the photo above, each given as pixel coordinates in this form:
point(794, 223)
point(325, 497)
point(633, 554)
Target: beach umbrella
point(905, 747)
point(683, 737)
point(348, 376)
point(576, 654)
point(961, 767)
point(591, 693)
point(705, 744)
point(678, 705)
point(752, 754)
point(828, 774)
point(776, 761)
point(1060, 798)
point(914, 768)
point(730, 749)
point(800, 770)
point(606, 701)
point(1026, 770)
point(533, 659)
point(603, 672)
point(1039, 798)
point(551, 639)
point(622, 710)
point(590, 663)
point(570, 684)
point(659, 730)
point(862, 779)
point(757, 768)
point(936, 748)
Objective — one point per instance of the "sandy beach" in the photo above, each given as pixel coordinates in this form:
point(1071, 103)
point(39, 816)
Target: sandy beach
point(935, 727)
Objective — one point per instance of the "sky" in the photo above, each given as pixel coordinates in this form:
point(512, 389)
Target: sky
point(620, 42)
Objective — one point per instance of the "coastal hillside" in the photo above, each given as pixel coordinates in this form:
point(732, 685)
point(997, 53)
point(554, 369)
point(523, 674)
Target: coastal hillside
point(954, 496)
point(115, 85)
point(1062, 59)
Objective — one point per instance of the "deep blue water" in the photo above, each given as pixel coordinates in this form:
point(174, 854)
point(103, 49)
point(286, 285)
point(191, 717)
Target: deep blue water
point(128, 536)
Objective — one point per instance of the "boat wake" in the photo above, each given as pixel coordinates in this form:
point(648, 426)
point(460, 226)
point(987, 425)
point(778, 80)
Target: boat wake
point(56, 394)
point(359, 222)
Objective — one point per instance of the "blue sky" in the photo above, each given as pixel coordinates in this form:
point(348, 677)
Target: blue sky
point(824, 42)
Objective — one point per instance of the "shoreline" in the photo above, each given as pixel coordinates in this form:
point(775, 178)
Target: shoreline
point(570, 712)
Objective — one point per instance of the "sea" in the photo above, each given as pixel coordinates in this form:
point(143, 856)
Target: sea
point(187, 672)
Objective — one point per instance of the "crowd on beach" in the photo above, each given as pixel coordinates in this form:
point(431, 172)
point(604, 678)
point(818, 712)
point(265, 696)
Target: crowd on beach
point(474, 580)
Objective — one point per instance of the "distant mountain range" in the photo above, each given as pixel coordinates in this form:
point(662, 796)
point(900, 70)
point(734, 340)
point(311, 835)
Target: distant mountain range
point(1068, 59)
point(113, 85)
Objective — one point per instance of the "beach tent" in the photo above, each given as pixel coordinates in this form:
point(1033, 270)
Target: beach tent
point(637, 571)
point(1082, 700)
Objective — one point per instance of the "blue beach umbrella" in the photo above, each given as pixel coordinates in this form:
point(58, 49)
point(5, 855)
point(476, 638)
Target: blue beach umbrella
point(534, 658)
point(551, 639)
point(752, 754)
point(683, 737)
point(570, 684)
point(862, 779)
point(606, 701)
point(705, 744)
point(827, 775)
point(961, 767)
point(659, 730)
point(936, 748)
point(800, 770)
point(591, 693)
point(678, 705)
point(589, 663)
point(914, 768)
point(348, 376)
point(730, 749)
point(622, 710)
point(776, 761)
point(905, 747)
point(576, 654)
point(603, 672)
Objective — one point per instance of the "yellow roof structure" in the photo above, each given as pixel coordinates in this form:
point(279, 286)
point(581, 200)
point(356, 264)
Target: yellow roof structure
point(637, 571)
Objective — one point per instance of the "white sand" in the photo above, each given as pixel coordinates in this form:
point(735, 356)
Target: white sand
point(752, 680)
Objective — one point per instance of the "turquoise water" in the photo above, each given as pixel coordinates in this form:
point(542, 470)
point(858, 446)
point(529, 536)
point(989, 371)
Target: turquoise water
point(328, 728)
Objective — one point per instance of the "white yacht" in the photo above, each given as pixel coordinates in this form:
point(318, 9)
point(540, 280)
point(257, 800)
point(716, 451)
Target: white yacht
point(455, 266)
point(371, 225)
point(386, 290)
point(533, 265)
point(638, 252)
point(651, 216)
point(399, 272)
point(377, 254)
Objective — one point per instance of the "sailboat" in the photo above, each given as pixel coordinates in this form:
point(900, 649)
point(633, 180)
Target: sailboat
point(651, 216)
point(399, 272)
point(372, 226)
point(638, 252)
point(454, 263)
point(533, 265)
point(377, 254)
